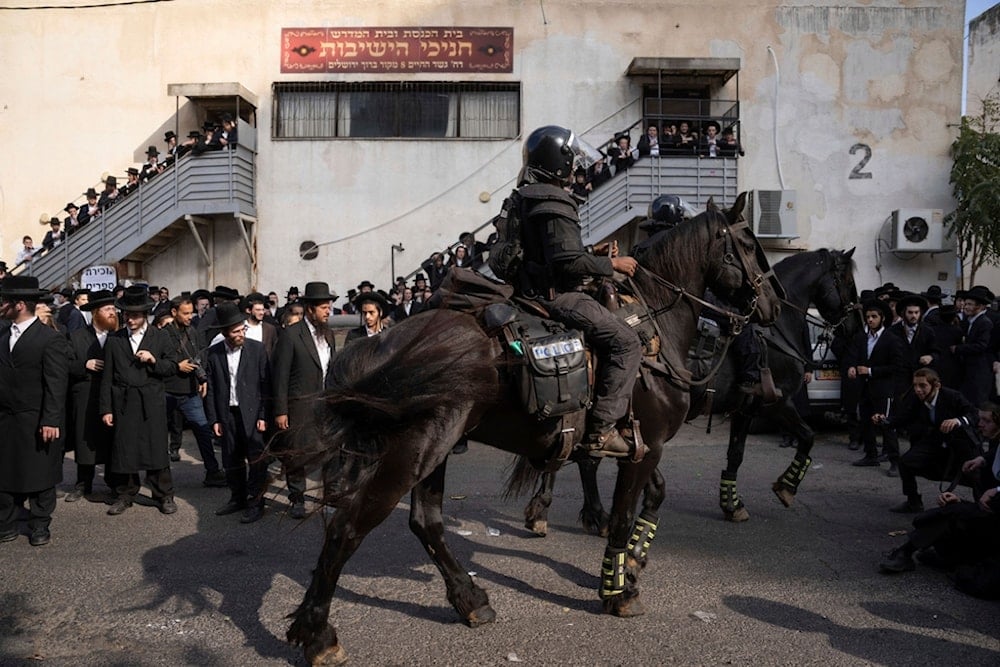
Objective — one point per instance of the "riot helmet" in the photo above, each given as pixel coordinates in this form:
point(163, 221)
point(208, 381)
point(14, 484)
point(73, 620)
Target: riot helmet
point(552, 152)
point(665, 212)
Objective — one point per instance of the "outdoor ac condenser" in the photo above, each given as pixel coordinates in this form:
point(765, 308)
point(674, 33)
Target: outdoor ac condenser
point(917, 230)
point(772, 214)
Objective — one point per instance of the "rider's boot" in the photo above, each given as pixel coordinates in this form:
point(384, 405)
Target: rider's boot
point(606, 440)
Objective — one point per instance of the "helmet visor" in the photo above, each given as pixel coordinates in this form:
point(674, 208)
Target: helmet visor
point(584, 155)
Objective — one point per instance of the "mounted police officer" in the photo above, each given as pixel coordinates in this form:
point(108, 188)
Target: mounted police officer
point(557, 267)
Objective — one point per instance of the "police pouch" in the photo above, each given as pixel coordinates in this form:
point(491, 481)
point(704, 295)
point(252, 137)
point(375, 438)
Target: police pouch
point(554, 379)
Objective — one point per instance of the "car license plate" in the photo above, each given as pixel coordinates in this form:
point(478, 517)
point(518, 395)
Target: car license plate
point(557, 349)
point(827, 374)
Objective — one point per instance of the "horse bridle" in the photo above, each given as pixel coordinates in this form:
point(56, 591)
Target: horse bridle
point(756, 282)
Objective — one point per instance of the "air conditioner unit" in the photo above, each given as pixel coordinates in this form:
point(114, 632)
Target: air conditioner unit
point(772, 214)
point(917, 230)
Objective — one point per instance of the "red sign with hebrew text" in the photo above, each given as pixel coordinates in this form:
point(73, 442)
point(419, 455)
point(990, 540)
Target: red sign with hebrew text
point(395, 50)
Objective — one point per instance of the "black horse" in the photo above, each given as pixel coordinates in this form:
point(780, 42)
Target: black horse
point(824, 278)
point(402, 399)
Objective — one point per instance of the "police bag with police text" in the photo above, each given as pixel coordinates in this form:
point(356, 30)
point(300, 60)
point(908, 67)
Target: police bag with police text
point(554, 378)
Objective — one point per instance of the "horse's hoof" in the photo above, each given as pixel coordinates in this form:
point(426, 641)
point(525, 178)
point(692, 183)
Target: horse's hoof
point(624, 608)
point(540, 528)
point(481, 616)
point(330, 657)
point(737, 516)
point(785, 495)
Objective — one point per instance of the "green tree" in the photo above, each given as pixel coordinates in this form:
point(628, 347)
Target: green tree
point(975, 180)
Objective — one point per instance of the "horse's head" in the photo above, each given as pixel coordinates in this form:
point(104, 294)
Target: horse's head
point(836, 294)
point(738, 270)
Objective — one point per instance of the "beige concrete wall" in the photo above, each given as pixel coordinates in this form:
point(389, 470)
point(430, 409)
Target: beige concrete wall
point(882, 73)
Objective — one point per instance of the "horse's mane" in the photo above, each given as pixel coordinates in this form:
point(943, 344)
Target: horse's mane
point(677, 250)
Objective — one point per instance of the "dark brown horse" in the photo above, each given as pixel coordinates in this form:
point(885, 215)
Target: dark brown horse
point(402, 399)
point(823, 278)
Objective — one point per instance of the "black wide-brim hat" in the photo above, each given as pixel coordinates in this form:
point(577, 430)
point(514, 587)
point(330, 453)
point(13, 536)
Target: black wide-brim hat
point(317, 291)
point(933, 293)
point(135, 300)
point(223, 292)
point(168, 135)
point(366, 283)
point(227, 315)
point(980, 294)
point(880, 306)
point(101, 297)
point(372, 297)
point(20, 288)
point(201, 294)
point(908, 300)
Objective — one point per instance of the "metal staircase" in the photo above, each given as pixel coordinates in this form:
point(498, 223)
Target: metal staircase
point(628, 195)
point(216, 184)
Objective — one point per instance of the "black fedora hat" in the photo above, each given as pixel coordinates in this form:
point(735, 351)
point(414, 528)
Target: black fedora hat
point(318, 291)
point(223, 292)
point(366, 283)
point(909, 299)
point(20, 288)
point(152, 151)
point(135, 300)
point(980, 294)
point(101, 297)
point(228, 315)
point(711, 123)
point(372, 297)
point(132, 171)
point(201, 294)
point(91, 193)
point(69, 206)
point(417, 278)
point(933, 293)
point(882, 307)
point(194, 134)
point(292, 290)
point(168, 135)
point(947, 313)
point(3, 265)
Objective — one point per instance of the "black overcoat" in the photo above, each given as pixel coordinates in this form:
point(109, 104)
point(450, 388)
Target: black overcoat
point(33, 382)
point(297, 375)
point(87, 435)
point(133, 392)
point(253, 387)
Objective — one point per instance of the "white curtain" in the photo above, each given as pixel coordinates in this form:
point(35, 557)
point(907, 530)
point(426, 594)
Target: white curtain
point(307, 114)
point(491, 114)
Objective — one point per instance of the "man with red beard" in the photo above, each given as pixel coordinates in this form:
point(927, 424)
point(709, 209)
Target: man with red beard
point(89, 437)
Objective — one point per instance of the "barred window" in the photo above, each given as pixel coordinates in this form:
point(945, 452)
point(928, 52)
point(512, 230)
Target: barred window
point(422, 110)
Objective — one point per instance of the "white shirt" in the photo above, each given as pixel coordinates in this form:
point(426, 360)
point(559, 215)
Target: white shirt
point(321, 346)
point(17, 329)
point(23, 255)
point(135, 339)
point(102, 336)
point(255, 332)
point(873, 338)
point(233, 356)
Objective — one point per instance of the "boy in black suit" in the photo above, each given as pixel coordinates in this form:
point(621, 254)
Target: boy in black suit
point(238, 388)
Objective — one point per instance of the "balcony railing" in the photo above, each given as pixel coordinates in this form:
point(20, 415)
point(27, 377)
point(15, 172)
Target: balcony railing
point(216, 183)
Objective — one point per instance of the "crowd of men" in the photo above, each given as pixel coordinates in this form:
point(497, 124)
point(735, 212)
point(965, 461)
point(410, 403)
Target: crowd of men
point(115, 376)
point(213, 136)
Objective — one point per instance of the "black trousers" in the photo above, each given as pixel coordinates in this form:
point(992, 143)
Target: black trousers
point(930, 459)
point(618, 349)
point(41, 504)
point(161, 484)
point(960, 532)
point(243, 459)
point(868, 431)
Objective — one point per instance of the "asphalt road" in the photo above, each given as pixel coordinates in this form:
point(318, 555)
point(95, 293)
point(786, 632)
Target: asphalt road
point(794, 586)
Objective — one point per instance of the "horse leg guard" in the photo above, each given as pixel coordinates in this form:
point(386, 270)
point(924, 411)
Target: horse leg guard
point(642, 536)
point(729, 499)
point(788, 484)
point(619, 594)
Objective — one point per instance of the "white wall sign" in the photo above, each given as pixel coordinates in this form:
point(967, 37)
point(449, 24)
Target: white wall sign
point(99, 277)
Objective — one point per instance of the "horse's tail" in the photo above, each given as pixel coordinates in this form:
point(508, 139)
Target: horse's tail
point(523, 478)
point(388, 388)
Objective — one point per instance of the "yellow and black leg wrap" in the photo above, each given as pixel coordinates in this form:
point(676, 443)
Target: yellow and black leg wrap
point(729, 497)
point(612, 573)
point(795, 473)
point(642, 536)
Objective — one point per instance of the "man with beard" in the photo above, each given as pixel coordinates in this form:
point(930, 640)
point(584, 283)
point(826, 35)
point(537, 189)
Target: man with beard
point(220, 295)
point(238, 386)
point(301, 371)
point(33, 380)
point(921, 345)
point(258, 328)
point(187, 388)
point(89, 437)
point(136, 361)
